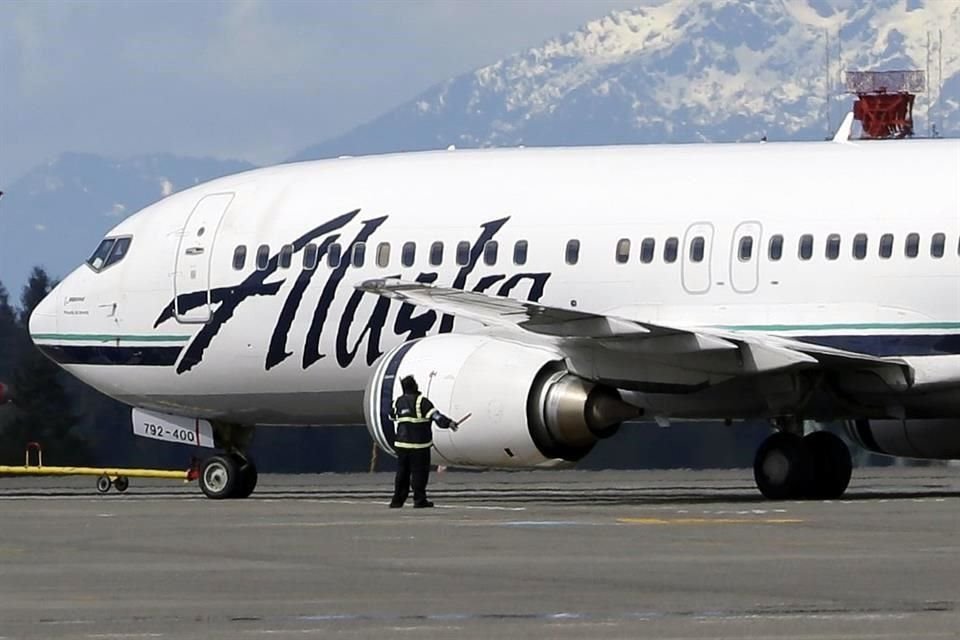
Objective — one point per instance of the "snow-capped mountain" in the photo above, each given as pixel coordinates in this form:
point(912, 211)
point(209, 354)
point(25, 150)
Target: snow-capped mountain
point(685, 70)
point(717, 70)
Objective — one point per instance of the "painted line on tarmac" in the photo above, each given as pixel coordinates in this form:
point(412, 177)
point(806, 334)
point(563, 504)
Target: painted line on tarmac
point(321, 622)
point(703, 521)
point(545, 523)
point(118, 636)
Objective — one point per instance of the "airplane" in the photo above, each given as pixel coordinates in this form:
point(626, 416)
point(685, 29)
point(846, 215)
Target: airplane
point(550, 293)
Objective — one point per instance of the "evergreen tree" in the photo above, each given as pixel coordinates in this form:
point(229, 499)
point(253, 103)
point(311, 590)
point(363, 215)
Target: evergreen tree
point(44, 410)
point(9, 340)
point(8, 350)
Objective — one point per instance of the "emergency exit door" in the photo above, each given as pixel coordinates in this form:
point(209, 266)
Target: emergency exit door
point(191, 280)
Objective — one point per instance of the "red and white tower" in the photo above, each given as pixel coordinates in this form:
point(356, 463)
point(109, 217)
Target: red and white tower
point(884, 105)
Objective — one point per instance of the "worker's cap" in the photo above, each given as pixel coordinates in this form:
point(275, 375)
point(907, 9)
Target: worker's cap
point(409, 384)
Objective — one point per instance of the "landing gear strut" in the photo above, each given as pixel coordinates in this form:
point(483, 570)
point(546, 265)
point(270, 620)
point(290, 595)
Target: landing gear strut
point(233, 474)
point(789, 466)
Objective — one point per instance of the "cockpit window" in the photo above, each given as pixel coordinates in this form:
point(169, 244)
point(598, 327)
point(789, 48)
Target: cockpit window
point(109, 252)
point(120, 248)
point(99, 257)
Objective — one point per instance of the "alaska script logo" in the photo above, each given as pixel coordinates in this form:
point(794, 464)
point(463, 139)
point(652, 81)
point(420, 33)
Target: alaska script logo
point(226, 300)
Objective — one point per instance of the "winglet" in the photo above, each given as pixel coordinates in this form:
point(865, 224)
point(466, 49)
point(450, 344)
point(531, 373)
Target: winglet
point(844, 130)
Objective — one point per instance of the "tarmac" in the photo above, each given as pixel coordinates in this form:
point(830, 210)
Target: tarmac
point(571, 554)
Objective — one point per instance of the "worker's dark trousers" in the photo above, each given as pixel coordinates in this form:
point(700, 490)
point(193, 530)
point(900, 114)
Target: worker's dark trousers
point(411, 464)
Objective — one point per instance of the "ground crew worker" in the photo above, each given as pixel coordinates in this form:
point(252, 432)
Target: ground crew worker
point(414, 416)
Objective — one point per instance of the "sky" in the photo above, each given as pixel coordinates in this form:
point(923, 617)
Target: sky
point(250, 79)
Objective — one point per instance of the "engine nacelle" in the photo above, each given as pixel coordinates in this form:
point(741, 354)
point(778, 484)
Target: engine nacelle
point(525, 408)
point(5, 395)
point(931, 439)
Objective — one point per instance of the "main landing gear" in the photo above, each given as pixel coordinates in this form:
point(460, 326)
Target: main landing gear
point(790, 466)
point(232, 474)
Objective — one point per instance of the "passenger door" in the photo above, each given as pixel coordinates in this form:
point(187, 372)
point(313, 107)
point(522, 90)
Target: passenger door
point(194, 253)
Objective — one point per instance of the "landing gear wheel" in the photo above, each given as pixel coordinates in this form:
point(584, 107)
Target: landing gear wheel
point(248, 478)
point(121, 483)
point(103, 484)
point(832, 465)
point(219, 477)
point(782, 467)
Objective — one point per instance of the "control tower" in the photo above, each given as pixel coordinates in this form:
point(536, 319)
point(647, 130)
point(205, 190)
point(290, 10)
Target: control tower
point(884, 105)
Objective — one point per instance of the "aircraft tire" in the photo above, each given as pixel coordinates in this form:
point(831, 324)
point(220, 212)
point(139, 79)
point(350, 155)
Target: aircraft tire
point(103, 484)
point(832, 465)
point(121, 483)
point(782, 467)
point(219, 477)
point(248, 478)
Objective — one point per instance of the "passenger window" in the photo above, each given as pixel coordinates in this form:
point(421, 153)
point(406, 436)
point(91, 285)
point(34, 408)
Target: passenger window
point(334, 254)
point(938, 244)
point(383, 255)
point(408, 254)
point(490, 253)
point(670, 250)
point(463, 253)
point(886, 245)
point(623, 250)
point(573, 252)
point(745, 252)
point(286, 256)
point(833, 246)
point(860, 246)
point(647, 248)
point(263, 257)
point(436, 254)
point(775, 250)
point(99, 258)
point(697, 247)
point(119, 251)
point(239, 257)
point(912, 246)
point(806, 246)
point(310, 257)
point(520, 252)
point(359, 254)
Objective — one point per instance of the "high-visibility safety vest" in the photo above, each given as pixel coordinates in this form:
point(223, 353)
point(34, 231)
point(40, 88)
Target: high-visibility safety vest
point(413, 414)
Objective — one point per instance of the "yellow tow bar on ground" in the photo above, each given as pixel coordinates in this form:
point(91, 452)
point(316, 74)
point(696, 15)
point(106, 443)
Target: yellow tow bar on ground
point(117, 477)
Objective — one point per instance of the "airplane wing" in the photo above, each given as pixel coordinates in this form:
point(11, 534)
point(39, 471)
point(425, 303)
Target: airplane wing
point(530, 316)
point(618, 349)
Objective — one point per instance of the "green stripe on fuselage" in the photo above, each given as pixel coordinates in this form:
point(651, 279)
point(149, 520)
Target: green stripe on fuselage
point(856, 326)
point(103, 337)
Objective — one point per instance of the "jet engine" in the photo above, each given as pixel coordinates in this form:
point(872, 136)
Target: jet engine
point(932, 439)
point(518, 405)
point(5, 395)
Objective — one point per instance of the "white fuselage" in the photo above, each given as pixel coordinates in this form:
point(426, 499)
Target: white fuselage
point(289, 345)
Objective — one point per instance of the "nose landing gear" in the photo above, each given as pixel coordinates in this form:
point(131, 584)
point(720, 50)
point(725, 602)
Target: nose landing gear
point(232, 474)
point(789, 466)
point(228, 476)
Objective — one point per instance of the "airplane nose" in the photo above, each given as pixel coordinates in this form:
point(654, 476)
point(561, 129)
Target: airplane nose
point(43, 320)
